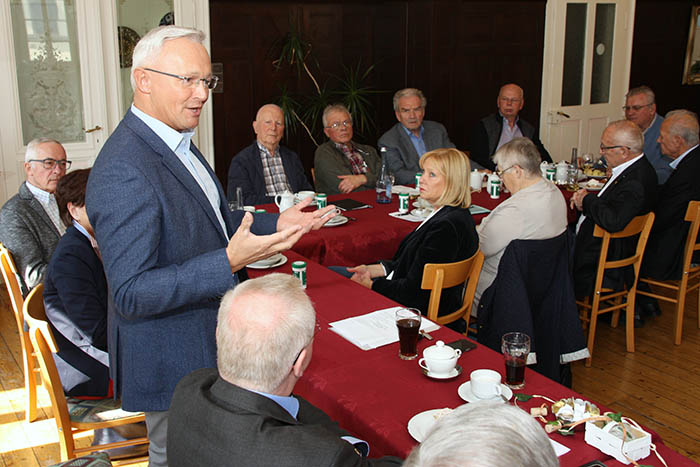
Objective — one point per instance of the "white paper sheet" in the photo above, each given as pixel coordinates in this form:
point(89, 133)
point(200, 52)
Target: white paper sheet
point(374, 329)
point(559, 449)
point(398, 189)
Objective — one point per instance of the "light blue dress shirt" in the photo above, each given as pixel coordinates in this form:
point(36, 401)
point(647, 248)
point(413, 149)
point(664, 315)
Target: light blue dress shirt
point(417, 141)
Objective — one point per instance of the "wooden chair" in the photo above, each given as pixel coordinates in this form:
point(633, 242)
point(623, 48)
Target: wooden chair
point(72, 416)
point(640, 225)
point(437, 276)
point(31, 371)
point(690, 278)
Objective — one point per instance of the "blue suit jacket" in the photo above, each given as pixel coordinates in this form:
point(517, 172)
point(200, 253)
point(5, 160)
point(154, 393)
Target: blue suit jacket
point(246, 171)
point(164, 255)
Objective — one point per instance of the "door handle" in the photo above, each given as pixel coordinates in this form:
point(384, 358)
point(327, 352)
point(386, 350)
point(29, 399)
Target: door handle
point(96, 128)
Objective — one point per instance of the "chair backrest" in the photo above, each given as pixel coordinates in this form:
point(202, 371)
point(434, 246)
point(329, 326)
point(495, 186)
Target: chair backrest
point(692, 215)
point(9, 273)
point(640, 225)
point(45, 346)
point(438, 276)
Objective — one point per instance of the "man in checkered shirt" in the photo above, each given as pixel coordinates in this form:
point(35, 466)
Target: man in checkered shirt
point(265, 169)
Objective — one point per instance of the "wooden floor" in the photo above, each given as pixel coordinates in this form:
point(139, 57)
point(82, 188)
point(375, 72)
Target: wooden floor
point(658, 386)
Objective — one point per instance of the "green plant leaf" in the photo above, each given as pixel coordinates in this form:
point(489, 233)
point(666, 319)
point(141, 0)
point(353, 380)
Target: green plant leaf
point(355, 94)
point(523, 397)
point(617, 417)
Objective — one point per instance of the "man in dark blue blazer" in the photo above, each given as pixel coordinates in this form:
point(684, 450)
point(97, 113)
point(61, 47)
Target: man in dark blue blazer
point(265, 168)
point(169, 244)
point(630, 192)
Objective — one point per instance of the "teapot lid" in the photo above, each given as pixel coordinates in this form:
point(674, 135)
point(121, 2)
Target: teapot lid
point(439, 351)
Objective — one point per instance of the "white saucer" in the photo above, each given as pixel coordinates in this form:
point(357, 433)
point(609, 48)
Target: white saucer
point(268, 263)
point(465, 392)
point(337, 220)
point(420, 424)
point(456, 371)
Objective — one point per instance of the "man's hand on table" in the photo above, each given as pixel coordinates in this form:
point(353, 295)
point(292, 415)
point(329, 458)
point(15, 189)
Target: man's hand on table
point(350, 182)
point(576, 201)
point(245, 247)
point(365, 273)
point(313, 220)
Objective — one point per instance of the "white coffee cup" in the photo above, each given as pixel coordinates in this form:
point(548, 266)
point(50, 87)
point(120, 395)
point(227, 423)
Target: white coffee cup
point(485, 384)
point(302, 195)
point(476, 180)
point(439, 359)
point(284, 201)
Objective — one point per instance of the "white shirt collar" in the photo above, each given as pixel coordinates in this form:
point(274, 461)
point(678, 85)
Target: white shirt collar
point(43, 196)
point(175, 140)
point(678, 159)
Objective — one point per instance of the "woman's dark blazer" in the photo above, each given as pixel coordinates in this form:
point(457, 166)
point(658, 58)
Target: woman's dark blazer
point(75, 287)
point(449, 236)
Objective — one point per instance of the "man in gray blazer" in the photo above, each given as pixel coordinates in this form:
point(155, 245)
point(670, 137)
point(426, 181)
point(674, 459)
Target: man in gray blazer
point(412, 136)
point(169, 244)
point(30, 225)
point(245, 414)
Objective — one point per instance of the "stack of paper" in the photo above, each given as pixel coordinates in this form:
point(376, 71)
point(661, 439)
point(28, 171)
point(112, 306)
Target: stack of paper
point(398, 189)
point(375, 329)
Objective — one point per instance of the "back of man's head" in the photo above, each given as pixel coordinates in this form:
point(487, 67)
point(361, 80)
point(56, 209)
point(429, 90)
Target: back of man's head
point(263, 325)
point(683, 123)
point(626, 133)
point(485, 434)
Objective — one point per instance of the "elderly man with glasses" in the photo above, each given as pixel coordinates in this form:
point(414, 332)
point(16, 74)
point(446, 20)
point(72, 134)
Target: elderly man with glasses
point(342, 165)
point(631, 191)
point(640, 108)
point(30, 225)
point(497, 129)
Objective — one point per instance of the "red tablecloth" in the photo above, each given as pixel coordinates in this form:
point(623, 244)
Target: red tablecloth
point(373, 235)
point(373, 394)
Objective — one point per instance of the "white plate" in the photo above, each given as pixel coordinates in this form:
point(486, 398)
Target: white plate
point(456, 371)
point(420, 424)
point(268, 263)
point(420, 213)
point(465, 392)
point(337, 220)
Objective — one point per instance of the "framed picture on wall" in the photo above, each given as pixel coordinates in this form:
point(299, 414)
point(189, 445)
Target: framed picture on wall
point(691, 75)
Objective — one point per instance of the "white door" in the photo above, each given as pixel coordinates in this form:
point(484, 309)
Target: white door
point(62, 75)
point(588, 48)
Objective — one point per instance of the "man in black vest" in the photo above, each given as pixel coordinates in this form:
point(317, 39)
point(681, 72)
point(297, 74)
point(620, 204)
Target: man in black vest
point(492, 132)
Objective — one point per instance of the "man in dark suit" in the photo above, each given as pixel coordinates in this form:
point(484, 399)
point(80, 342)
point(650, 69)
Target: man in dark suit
point(630, 192)
point(246, 414)
point(169, 243)
point(663, 257)
point(30, 226)
point(265, 168)
point(495, 130)
point(411, 137)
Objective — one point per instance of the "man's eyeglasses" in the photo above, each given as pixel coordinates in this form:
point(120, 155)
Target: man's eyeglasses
point(636, 108)
point(317, 329)
point(501, 172)
point(337, 125)
point(49, 163)
point(190, 81)
point(607, 148)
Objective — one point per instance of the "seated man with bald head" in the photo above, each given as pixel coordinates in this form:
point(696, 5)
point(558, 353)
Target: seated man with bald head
point(265, 169)
point(663, 257)
point(630, 192)
point(497, 129)
point(30, 225)
point(245, 413)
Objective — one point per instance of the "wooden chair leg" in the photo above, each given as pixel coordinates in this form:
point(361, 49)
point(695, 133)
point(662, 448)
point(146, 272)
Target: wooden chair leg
point(680, 309)
point(30, 382)
point(629, 324)
point(616, 314)
point(591, 335)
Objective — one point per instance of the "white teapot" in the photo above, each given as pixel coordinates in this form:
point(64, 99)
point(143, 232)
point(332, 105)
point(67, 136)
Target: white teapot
point(284, 201)
point(439, 359)
point(476, 180)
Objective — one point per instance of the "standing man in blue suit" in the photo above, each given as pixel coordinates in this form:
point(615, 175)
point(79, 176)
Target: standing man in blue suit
point(169, 244)
point(411, 137)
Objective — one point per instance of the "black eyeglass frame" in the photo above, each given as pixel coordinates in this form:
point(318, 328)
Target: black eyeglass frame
point(63, 163)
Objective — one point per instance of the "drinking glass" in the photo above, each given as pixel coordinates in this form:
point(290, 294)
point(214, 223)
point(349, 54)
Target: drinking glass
point(515, 347)
point(408, 324)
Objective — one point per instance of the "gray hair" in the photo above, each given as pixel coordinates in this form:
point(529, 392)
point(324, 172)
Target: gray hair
point(521, 152)
point(252, 354)
point(150, 45)
point(627, 133)
point(485, 433)
point(334, 108)
point(33, 147)
point(409, 92)
point(684, 123)
point(646, 90)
